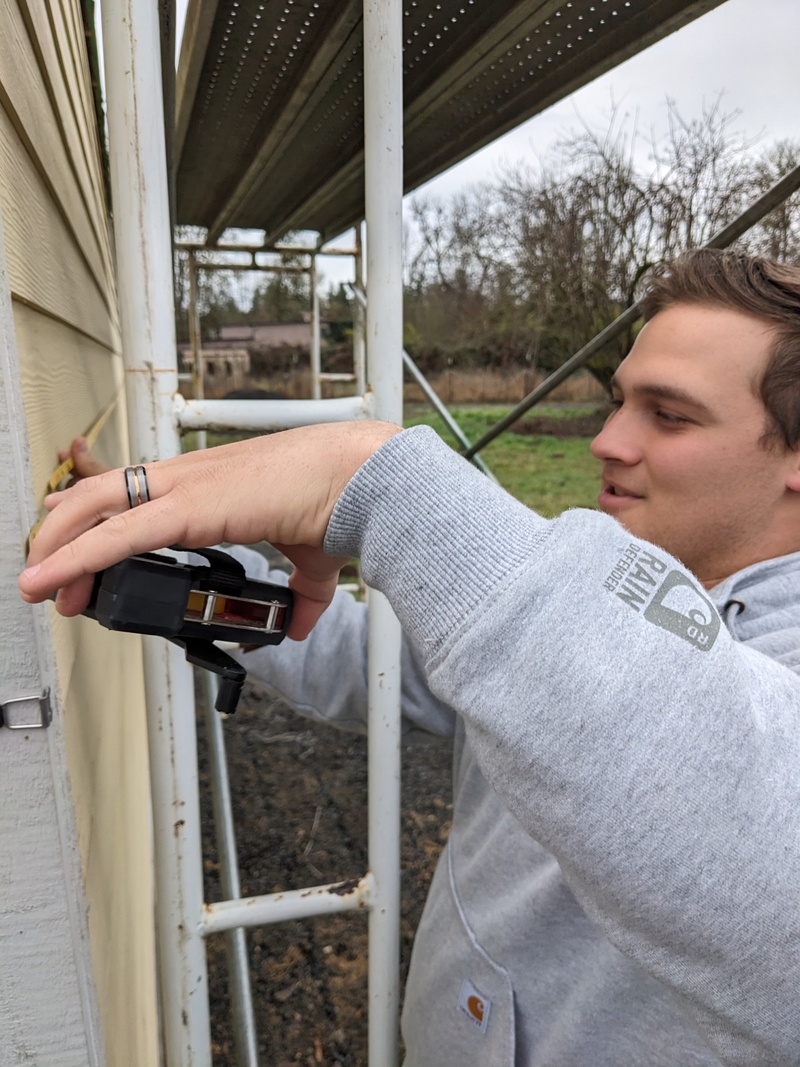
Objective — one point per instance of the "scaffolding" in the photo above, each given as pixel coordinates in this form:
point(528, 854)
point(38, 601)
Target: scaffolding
point(294, 115)
point(140, 192)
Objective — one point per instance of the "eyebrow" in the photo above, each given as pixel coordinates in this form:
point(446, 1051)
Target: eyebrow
point(666, 392)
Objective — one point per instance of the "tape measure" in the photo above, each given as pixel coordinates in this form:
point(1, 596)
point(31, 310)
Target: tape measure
point(194, 605)
point(63, 470)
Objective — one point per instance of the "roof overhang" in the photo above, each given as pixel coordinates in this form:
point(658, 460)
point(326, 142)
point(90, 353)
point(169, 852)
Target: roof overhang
point(269, 126)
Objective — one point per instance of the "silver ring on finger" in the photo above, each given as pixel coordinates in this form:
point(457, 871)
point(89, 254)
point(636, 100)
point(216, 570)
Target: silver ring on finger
point(136, 486)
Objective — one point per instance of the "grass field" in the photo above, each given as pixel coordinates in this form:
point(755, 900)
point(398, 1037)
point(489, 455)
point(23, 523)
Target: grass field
point(548, 473)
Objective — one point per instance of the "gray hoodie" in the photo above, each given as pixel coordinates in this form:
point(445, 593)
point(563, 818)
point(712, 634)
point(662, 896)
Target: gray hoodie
point(622, 881)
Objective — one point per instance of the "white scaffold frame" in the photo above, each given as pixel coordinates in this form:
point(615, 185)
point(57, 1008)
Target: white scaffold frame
point(144, 273)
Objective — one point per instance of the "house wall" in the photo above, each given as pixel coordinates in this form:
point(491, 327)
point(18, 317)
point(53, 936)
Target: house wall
point(59, 265)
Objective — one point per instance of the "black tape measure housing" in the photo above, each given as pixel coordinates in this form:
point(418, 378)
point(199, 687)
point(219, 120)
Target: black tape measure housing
point(194, 606)
point(155, 594)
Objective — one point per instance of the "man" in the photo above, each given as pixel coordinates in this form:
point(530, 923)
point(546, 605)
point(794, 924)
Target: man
point(622, 881)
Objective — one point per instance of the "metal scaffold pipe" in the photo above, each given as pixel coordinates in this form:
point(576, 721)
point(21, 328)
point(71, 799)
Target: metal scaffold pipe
point(434, 399)
point(316, 350)
point(383, 141)
point(242, 1015)
point(142, 240)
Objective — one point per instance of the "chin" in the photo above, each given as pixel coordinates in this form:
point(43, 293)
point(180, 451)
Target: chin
point(634, 528)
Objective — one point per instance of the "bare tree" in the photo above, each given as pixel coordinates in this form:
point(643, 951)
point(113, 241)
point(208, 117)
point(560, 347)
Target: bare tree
point(778, 235)
point(540, 260)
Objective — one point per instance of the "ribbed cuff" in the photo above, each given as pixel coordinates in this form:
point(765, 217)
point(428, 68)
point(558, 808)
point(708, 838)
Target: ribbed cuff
point(433, 533)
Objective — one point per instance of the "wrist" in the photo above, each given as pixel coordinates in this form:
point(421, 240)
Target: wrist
point(372, 435)
point(361, 442)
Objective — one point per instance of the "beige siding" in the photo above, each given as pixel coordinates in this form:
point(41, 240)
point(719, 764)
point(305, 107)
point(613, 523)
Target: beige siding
point(60, 270)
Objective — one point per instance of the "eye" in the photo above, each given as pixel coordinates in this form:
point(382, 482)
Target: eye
point(670, 419)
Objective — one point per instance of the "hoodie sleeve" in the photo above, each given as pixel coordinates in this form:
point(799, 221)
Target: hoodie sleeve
point(631, 736)
point(325, 676)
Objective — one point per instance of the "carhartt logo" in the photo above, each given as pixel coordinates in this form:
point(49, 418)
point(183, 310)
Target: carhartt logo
point(667, 598)
point(473, 1004)
point(475, 1008)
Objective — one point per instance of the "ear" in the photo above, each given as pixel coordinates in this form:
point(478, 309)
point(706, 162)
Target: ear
point(793, 471)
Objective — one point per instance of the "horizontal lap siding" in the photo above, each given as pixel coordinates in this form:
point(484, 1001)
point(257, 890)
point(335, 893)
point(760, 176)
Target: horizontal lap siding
point(68, 379)
point(47, 267)
point(63, 296)
point(51, 163)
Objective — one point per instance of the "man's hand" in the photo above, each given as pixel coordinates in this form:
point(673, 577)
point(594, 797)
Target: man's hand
point(281, 488)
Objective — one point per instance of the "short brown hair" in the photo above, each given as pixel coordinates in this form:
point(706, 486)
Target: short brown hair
point(758, 287)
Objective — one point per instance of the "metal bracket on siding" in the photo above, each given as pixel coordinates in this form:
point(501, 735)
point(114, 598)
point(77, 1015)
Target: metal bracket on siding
point(27, 713)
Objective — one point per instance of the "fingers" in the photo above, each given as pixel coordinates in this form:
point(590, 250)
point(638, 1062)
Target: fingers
point(52, 500)
point(86, 465)
point(120, 536)
point(72, 599)
point(281, 488)
point(75, 510)
point(91, 525)
point(305, 615)
point(90, 529)
point(312, 595)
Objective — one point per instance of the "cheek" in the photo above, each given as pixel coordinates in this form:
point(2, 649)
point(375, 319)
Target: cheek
point(730, 483)
point(683, 471)
point(713, 468)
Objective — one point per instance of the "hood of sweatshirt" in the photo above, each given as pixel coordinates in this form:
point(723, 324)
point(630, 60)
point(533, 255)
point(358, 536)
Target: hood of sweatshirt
point(761, 608)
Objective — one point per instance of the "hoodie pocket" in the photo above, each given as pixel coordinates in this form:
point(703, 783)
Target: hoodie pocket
point(459, 1003)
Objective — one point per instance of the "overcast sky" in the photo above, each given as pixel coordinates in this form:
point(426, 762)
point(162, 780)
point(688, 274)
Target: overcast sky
point(749, 50)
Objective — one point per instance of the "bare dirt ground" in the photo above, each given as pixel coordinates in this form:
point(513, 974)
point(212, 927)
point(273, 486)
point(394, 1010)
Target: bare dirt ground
point(299, 799)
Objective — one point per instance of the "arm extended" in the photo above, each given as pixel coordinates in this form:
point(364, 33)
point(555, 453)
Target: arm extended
point(629, 734)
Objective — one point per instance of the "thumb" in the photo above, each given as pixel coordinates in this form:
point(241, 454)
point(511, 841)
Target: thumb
point(312, 594)
point(86, 466)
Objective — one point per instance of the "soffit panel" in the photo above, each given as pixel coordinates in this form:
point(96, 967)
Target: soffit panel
point(271, 131)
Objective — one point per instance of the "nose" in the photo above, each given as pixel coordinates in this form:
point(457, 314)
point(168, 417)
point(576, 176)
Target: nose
point(617, 442)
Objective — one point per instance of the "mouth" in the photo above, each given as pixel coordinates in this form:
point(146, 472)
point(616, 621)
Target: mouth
point(612, 495)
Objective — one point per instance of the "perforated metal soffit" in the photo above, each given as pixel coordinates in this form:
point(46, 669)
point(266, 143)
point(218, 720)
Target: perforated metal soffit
point(269, 130)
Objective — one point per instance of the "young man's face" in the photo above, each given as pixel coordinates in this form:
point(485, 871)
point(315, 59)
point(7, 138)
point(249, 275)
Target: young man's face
point(683, 465)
